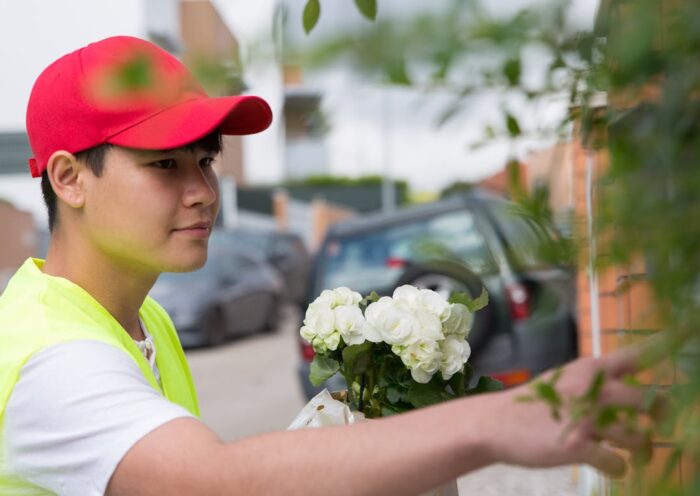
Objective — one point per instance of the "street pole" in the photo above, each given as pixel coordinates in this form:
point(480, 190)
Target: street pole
point(229, 201)
point(388, 190)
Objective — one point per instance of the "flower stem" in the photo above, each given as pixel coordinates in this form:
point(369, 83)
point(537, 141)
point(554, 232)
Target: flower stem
point(362, 391)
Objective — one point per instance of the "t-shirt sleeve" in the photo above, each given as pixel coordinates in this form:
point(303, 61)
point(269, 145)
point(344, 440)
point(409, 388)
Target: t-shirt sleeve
point(75, 411)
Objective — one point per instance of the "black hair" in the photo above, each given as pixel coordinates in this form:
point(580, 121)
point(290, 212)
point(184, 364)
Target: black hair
point(94, 158)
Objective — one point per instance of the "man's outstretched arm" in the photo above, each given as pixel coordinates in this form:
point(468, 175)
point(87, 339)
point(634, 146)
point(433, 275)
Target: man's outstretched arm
point(405, 454)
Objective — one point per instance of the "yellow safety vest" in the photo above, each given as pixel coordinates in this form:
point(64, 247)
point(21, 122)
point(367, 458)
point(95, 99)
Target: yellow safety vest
point(38, 310)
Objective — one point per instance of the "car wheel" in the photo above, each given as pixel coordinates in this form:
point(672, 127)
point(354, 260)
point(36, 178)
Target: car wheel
point(445, 284)
point(440, 283)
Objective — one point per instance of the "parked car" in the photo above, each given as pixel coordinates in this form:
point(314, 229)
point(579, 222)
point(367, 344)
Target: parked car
point(462, 243)
point(234, 294)
point(285, 251)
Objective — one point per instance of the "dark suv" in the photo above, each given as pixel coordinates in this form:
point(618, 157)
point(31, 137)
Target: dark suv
point(462, 243)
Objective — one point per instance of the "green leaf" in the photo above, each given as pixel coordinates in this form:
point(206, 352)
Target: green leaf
point(606, 417)
point(512, 125)
point(486, 384)
point(458, 383)
point(312, 11)
point(468, 373)
point(420, 395)
point(394, 395)
point(368, 8)
point(596, 387)
point(357, 358)
point(472, 304)
point(480, 302)
point(322, 368)
point(371, 298)
point(137, 74)
point(526, 398)
point(511, 70)
point(547, 393)
point(397, 73)
point(449, 112)
point(389, 410)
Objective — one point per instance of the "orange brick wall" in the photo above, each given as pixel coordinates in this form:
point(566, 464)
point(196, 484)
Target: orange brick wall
point(627, 313)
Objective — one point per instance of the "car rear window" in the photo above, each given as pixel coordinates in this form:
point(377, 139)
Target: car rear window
point(522, 237)
point(373, 260)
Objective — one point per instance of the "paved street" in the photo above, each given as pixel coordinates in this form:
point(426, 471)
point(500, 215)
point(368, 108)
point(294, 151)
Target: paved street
point(249, 386)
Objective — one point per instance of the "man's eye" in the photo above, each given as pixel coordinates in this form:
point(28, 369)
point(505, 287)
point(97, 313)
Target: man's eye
point(167, 163)
point(206, 162)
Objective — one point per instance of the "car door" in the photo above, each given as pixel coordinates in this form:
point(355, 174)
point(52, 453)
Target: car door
point(250, 298)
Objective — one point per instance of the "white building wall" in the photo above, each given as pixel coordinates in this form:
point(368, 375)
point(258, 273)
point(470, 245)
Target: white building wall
point(306, 157)
point(34, 33)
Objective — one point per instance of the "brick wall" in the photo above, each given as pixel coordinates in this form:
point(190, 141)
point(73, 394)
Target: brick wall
point(626, 312)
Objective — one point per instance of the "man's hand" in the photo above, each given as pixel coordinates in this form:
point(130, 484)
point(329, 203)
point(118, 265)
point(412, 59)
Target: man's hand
point(528, 433)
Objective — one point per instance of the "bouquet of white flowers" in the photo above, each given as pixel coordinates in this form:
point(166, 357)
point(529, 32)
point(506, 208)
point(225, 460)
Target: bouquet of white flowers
point(396, 353)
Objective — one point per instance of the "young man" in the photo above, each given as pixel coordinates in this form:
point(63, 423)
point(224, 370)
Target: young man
point(95, 393)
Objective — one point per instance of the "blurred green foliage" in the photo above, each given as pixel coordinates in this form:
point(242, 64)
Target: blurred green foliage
point(641, 56)
point(326, 180)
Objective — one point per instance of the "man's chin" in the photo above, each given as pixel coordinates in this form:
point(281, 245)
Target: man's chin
point(186, 265)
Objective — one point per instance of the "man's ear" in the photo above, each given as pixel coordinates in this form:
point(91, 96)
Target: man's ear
point(65, 173)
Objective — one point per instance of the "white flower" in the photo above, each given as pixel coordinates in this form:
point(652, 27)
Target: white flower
point(406, 296)
point(459, 321)
point(323, 344)
point(394, 324)
point(371, 334)
point(420, 300)
point(335, 314)
point(307, 333)
point(320, 319)
point(319, 327)
point(422, 358)
point(455, 352)
point(350, 323)
point(430, 326)
point(434, 303)
point(421, 376)
point(339, 296)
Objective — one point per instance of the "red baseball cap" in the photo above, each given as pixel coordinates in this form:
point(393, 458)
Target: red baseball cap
point(128, 92)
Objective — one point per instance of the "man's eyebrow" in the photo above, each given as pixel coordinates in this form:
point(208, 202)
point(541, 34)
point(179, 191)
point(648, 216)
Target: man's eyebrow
point(143, 153)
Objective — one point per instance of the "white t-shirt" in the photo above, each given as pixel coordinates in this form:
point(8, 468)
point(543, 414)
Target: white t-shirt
point(76, 410)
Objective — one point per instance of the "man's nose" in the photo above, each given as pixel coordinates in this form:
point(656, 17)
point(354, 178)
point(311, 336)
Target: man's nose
point(201, 188)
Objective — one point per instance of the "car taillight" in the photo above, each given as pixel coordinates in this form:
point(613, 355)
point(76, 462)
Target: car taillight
point(512, 378)
point(307, 351)
point(395, 262)
point(518, 301)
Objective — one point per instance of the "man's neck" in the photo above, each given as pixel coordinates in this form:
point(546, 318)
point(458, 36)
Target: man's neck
point(120, 289)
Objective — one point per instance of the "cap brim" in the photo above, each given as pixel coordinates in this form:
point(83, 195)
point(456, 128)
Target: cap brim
point(187, 122)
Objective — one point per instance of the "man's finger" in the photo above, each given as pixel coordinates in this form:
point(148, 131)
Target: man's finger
point(604, 459)
point(626, 438)
point(616, 393)
point(640, 356)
